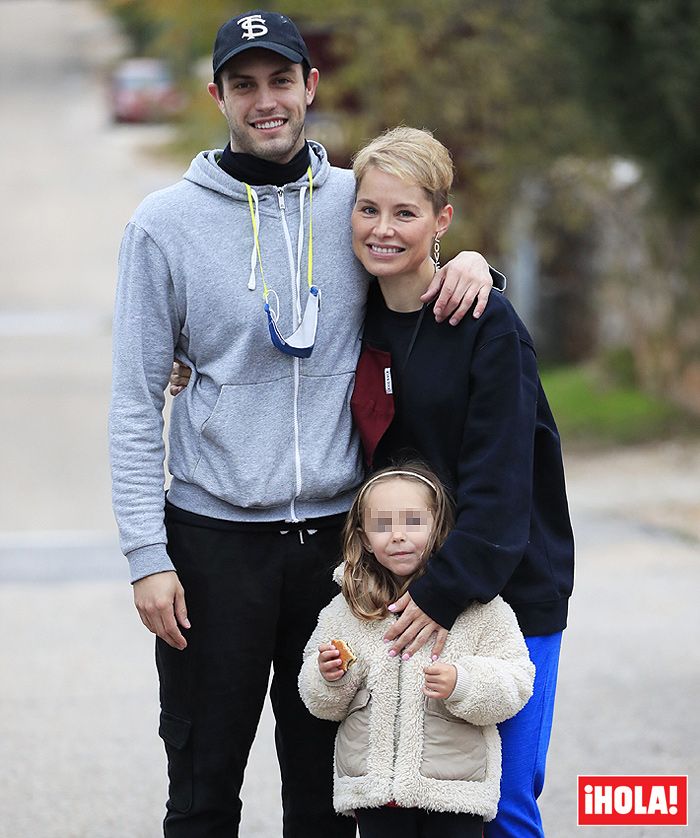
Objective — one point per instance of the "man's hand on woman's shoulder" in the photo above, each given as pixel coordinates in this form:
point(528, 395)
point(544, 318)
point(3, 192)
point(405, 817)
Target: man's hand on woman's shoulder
point(461, 281)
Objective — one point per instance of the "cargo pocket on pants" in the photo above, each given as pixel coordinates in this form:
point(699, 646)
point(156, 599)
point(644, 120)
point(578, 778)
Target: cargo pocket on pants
point(175, 733)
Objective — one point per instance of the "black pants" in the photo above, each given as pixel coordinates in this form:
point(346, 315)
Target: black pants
point(253, 597)
point(393, 822)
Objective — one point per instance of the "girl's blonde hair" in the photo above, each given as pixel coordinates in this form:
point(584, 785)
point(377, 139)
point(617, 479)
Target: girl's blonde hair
point(367, 585)
point(413, 155)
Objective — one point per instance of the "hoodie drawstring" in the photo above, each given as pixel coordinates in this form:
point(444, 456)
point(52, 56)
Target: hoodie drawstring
point(300, 247)
point(300, 531)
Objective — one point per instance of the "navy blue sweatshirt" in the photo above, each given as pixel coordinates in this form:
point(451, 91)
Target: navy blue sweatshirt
point(468, 401)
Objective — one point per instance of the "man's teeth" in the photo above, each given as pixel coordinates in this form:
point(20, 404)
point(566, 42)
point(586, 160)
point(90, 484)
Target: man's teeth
point(376, 249)
point(274, 123)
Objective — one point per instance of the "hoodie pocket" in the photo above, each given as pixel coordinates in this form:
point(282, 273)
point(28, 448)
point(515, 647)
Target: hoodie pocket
point(452, 748)
point(352, 741)
point(246, 453)
point(330, 447)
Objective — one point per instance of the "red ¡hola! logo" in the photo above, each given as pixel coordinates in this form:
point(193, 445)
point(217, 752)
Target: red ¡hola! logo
point(627, 799)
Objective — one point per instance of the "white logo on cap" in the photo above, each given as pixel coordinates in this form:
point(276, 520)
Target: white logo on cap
point(253, 26)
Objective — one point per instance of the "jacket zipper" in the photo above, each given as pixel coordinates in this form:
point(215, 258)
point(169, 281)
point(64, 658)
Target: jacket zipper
point(297, 451)
point(397, 717)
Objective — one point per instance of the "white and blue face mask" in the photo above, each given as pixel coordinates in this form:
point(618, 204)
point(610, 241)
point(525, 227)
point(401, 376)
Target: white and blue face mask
point(301, 342)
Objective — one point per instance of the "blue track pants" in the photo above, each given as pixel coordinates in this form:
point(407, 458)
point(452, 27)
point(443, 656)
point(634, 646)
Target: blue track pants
point(525, 739)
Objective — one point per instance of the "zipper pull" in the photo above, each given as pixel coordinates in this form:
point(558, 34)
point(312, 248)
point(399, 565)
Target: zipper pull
point(280, 196)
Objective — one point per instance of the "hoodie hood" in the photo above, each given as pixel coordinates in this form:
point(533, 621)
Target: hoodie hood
point(205, 171)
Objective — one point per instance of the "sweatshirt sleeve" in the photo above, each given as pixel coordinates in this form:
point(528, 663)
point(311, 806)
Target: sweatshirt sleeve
point(327, 699)
point(496, 682)
point(494, 482)
point(145, 332)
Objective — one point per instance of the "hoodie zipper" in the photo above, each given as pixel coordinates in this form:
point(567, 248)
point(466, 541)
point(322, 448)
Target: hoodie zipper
point(297, 451)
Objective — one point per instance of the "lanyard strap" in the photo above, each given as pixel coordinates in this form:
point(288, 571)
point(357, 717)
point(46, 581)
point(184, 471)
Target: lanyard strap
point(266, 291)
point(310, 256)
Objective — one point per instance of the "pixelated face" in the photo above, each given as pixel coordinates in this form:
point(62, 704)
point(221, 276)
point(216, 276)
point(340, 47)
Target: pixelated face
point(397, 523)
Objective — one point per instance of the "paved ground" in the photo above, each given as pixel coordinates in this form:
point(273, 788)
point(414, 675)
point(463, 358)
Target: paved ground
point(78, 703)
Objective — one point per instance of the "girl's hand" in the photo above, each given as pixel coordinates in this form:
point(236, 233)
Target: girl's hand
point(329, 663)
point(440, 680)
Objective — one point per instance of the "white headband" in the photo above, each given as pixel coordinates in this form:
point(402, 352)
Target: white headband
point(396, 473)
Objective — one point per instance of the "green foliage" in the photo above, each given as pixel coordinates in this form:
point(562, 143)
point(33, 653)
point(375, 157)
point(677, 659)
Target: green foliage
point(498, 81)
point(177, 30)
point(590, 407)
point(136, 22)
point(483, 75)
point(638, 65)
point(619, 367)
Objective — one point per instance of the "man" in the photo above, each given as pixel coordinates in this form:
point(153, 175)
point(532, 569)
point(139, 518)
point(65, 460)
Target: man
point(231, 571)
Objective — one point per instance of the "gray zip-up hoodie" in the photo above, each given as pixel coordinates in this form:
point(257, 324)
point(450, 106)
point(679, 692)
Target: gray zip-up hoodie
point(257, 435)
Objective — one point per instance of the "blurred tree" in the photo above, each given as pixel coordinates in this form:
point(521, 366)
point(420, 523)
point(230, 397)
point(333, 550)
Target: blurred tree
point(483, 75)
point(638, 67)
point(173, 29)
point(136, 21)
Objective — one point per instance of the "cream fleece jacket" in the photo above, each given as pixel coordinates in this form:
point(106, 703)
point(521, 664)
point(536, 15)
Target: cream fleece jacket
point(393, 743)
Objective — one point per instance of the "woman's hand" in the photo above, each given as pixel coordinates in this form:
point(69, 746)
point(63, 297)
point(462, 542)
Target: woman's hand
point(440, 680)
point(413, 630)
point(329, 663)
point(461, 281)
point(179, 377)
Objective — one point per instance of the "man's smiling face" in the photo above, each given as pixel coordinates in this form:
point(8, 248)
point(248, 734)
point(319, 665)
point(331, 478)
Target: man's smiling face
point(264, 101)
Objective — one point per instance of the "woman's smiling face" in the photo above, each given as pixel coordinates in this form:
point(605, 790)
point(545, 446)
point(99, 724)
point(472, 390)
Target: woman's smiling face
point(393, 224)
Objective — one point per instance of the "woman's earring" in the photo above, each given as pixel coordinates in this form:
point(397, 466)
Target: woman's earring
point(436, 253)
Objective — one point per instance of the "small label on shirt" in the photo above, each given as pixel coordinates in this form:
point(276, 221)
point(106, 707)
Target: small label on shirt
point(388, 387)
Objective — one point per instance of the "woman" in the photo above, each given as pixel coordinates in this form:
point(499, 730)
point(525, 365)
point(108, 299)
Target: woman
point(468, 401)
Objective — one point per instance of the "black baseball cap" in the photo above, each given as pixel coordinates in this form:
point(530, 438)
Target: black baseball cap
point(259, 30)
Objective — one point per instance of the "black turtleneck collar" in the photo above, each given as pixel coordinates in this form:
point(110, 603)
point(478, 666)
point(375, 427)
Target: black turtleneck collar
point(257, 172)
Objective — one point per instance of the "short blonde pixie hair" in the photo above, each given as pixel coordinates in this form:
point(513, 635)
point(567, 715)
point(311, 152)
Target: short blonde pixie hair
point(413, 155)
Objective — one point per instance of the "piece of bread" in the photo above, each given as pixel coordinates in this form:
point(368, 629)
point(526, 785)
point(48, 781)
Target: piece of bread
point(347, 657)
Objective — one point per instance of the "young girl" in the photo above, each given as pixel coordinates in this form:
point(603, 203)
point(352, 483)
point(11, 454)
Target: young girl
point(417, 752)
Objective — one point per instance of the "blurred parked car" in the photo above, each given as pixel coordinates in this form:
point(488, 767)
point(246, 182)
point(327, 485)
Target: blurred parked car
point(142, 90)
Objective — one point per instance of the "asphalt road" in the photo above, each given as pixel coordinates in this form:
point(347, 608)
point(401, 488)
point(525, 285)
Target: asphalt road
point(78, 701)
